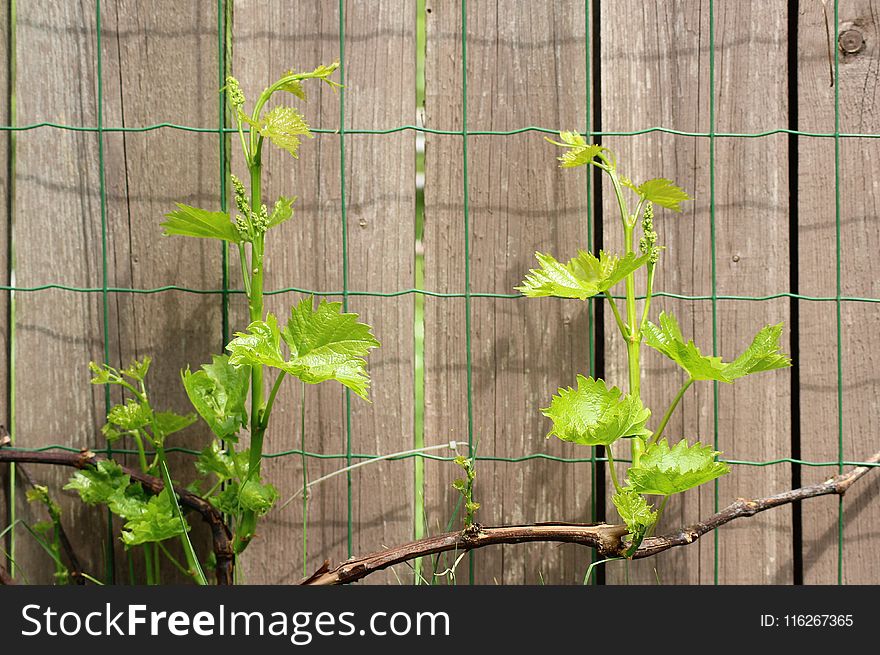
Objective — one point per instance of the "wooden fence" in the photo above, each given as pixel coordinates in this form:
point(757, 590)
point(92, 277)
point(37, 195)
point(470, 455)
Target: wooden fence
point(81, 211)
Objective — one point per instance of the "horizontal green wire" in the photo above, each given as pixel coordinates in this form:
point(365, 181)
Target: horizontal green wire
point(458, 133)
point(423, 292)
point(484, 458)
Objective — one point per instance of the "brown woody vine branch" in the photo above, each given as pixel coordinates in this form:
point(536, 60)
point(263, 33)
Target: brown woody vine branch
point(607, 539)
point(220, 535)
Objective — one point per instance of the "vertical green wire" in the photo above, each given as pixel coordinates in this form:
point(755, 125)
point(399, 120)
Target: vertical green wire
point(467, 252)
point(838, 289)
point(343, 211)
point(714, 264)
point(221, 124)
point(110, 564)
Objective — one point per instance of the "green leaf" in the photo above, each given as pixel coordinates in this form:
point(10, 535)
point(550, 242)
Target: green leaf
point(227, 500)
point(104, 374)
point(214, 459)
point(167, 423)
point(293, 86)
point(193, 222)
point(258, 497)
point(665, 471)
point(253, 495)
point(99, 484)
point(138, 369)
point(107, 484)
point(579, 151)
point(582, 277)
point(259, 345)
point(324, 343)
point(638, 515)
point(762, 355)
point(660, 191)
point(133, 415)
point(667, 339)
point(284, 126)
point(322, 73)
point(218, 392)
point(594, 415)
point(158, 522)
point(283, 211)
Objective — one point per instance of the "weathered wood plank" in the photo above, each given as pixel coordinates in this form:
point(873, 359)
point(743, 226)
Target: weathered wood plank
point(818, 320)
point(308, 253)
point(655, 73)
point(751, 245)
point(526, 66)
point(160, 65)
point(57, 238)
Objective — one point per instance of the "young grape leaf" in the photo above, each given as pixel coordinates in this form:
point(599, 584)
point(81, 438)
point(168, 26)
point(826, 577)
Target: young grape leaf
point(667, 339)
point(107, 484)
point(214, 459)
point(193, 222)
point(258, 497)
point(218, 392)
point(660, 191)
point(104, 374)
point(594, 415)
point(638, 515)
point(157, 522)
point(582, 277)
point(762, 355)
point(138, 369)
point(133, 415)
point(167, 423)
point(579, 151)
point(254, 496)
point(294, 84)
point(665, 471)
point(283, 211)
point(284, 126)
point(324, 343)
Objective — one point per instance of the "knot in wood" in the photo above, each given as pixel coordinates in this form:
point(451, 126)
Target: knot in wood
point(851, 41)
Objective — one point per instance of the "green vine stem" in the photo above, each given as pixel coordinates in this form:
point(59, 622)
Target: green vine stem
point(670, 410)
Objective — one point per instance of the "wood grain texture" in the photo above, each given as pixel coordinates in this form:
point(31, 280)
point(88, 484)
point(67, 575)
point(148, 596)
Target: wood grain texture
point(57, 240)
point(858, 88)
point(525, 66)
point(307, 252)
point(160, 65)
point(655, 73)
point(751, 249)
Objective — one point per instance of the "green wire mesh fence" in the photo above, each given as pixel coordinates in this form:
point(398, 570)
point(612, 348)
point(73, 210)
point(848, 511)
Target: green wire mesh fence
point(226, 292)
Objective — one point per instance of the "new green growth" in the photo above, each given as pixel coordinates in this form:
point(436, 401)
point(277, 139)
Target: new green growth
point(591, 413)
